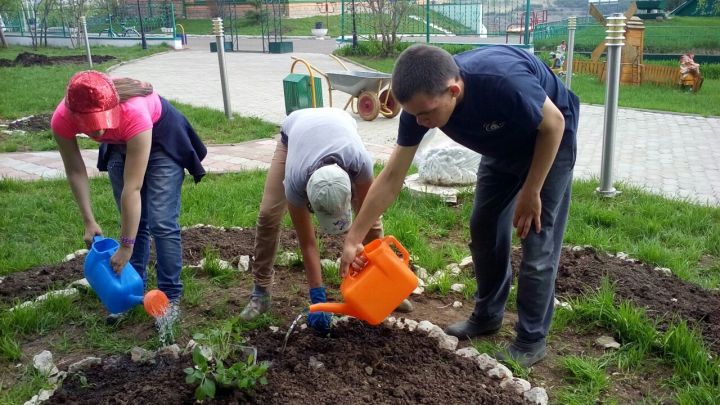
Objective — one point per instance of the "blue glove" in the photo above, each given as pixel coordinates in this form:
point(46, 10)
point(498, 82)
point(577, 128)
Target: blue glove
point(320, 321)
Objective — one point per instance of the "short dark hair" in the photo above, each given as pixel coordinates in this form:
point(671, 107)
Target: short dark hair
point(422, 69)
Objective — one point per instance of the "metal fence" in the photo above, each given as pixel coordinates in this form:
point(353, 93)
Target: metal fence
point(658, 38)
point(117, 21)
point(478, 18)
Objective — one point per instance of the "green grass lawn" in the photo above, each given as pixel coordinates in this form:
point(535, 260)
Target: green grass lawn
point(44, 220)
point(20, 99)
point(49, 82)
point(302, 26)
point(290, 27)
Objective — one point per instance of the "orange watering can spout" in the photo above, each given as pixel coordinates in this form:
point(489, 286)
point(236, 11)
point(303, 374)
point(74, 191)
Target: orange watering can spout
point(155, 303)
point(334, 307)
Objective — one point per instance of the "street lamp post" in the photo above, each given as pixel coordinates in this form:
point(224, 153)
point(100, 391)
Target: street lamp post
point(572, 25)
point(354, 29)
point(220, 43)
point(142, 29)
point(614, 42)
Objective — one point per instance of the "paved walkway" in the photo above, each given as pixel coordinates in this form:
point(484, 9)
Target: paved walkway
point(671, 154)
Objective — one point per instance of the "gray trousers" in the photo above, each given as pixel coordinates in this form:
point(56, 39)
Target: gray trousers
point(490, 243)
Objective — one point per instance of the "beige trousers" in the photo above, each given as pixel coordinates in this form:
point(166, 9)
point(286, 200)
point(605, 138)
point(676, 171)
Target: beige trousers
point(272, 210)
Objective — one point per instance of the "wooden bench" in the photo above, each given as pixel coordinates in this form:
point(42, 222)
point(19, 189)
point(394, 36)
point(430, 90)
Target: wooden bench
point(670, 76)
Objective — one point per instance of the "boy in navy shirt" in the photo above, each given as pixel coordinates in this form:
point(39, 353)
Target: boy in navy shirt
point(507, 105)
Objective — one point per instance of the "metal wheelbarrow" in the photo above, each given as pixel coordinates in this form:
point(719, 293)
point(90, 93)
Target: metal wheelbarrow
point(370, 93)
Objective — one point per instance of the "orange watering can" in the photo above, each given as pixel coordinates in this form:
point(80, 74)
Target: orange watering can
point(374, 292)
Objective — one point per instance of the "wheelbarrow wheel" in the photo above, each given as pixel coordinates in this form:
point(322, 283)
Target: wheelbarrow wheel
point(368, 105)
point(389, 106)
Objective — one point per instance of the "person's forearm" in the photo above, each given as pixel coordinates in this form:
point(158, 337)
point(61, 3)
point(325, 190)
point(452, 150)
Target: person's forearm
point(81, 191)
point(546, 147)
point(130, 213)
point(311, 260)
point(380, 196)
point(550, 133)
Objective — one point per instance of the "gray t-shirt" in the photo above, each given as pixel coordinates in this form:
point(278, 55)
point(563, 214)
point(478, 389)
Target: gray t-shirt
point(317, 137)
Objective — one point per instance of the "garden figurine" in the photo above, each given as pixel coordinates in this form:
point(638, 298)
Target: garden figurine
point(146, 145)
point(507, 105)
point(690, 71)
point(320, 166)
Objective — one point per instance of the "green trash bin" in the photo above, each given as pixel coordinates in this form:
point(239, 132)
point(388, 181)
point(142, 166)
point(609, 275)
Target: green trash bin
point(298, 93)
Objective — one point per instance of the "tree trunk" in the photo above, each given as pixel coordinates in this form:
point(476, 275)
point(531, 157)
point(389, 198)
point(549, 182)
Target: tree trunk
point(3, 41)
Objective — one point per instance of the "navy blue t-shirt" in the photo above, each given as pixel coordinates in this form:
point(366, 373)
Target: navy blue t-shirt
point(501, 109)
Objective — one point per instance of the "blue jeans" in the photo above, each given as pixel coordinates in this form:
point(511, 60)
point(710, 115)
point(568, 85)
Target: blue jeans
point(160, 199)
point(491, 235)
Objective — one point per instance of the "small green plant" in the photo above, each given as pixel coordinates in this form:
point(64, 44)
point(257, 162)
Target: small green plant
point(9, 347)
point(587, 378)
point(441, 285)
point(331, 274)
point(213, 267)
point(210, 373)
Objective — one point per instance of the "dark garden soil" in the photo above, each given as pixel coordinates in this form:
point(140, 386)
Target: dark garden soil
point(361, 365)
point(406, 367)
point(666, 298)
point(33, 123)
point(34, 59)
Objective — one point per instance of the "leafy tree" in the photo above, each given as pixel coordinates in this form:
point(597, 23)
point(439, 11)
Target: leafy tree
point(386, 18)
point(704, 7)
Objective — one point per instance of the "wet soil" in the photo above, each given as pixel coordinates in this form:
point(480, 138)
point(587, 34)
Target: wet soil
point(27, 59)
point(360, 364)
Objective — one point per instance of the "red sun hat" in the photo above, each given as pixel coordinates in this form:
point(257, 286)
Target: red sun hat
point(93, 101)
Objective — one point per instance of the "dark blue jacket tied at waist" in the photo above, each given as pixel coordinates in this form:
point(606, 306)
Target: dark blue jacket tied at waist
point(176, 137)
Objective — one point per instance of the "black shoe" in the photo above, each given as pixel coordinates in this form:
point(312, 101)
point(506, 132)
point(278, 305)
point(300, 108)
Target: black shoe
point(115, 319)
point(471, 328)
point(524, 355)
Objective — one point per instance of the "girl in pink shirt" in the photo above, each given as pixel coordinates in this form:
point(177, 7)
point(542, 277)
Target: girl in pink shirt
point(146, 145)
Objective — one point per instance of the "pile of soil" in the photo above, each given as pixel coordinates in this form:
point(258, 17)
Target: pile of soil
point(665, 297)
point(33, 123)
point(34, 59)
point(361, 364)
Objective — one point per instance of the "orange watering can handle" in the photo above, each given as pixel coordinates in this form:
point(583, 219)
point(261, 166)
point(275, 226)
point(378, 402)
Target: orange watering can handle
point(390, 240)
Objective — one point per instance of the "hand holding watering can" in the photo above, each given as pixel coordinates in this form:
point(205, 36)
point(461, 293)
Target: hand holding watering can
point(119, 291)
point(383, 283)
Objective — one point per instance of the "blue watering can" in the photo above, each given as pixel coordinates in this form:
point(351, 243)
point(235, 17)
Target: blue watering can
point(119, 293)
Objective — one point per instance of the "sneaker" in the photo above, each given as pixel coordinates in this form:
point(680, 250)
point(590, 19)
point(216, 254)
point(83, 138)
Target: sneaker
point(259, 304)
point(405, 306)
point(524, 355)
point(471, 328)
point(115, 319)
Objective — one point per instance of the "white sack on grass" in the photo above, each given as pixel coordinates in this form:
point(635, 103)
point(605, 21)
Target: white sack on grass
point(446, 163)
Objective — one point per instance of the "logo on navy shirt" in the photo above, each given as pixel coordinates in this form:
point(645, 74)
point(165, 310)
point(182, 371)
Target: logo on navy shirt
point(493, 126)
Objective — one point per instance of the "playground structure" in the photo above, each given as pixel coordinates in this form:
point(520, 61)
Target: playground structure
point(632, 69)
point(518, 27)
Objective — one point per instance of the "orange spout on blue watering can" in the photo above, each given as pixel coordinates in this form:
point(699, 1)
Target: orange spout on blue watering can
point(376, 290)
point(119, 292)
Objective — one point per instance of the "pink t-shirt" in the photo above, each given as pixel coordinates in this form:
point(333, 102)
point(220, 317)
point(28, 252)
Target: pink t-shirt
point(138, 115)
